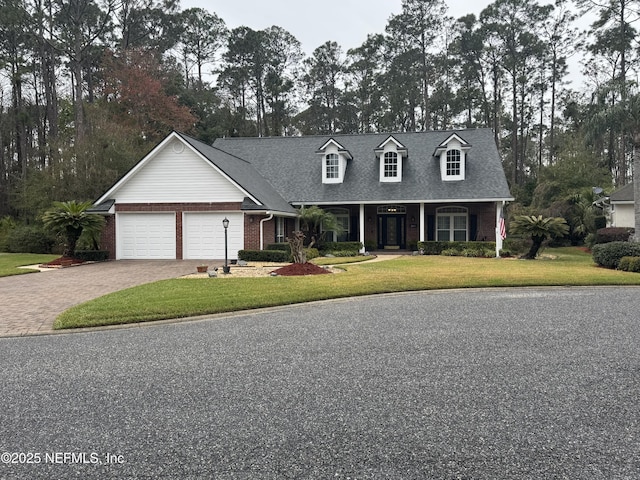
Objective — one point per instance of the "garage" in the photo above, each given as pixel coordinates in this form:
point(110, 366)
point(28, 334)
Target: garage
point(203, 235)
point(148, 236)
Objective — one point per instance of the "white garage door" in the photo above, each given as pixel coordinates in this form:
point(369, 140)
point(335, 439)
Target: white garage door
point(203, 235)
point(146, 236)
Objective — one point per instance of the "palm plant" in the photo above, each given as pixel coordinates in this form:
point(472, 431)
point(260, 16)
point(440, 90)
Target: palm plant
point(69, 219)
point(539, 228)
point(316, 221)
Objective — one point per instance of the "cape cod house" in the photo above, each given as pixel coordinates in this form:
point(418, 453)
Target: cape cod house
point(388, 191)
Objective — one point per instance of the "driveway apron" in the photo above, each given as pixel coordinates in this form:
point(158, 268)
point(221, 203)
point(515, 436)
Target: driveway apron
point(30, 303)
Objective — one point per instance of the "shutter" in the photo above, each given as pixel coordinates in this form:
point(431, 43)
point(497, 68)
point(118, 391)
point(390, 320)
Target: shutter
point(354, 229)
point(473, 228)
point(431, 228)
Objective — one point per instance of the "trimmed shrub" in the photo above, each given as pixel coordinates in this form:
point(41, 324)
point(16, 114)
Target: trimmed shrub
point(277, 256)
point(30, 239)
point(436, 248)
point(337, 246)
point(629, 264)
point(613, 234)
point(477, 253)
point(311, 253)
point(92, 255)
point(370, 245)
point(343, 253)
point(517, 245)
point(608, 255)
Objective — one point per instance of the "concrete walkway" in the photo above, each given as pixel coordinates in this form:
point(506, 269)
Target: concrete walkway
point(30, 303)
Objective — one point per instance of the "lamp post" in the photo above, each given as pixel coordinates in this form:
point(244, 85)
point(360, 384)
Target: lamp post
point(225, 268)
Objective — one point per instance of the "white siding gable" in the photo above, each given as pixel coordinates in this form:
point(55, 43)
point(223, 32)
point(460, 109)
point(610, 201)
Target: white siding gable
point(391, 145)
point(454, 168)
point(335, 154)
point(176, 174)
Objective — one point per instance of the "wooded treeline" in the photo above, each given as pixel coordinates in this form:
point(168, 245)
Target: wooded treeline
point(87, 87)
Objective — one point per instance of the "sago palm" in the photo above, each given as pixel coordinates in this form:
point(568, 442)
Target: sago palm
point(69, 219)
point(539, 228)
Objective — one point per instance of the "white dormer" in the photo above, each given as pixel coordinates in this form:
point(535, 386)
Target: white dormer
point(391, 154)
point(334, 161)
point(453, 158)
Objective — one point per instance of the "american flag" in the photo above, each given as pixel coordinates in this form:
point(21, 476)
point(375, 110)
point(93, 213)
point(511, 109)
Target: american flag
point(501, 226)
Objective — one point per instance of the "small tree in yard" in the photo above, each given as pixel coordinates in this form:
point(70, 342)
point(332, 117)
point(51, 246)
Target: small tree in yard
point(315, 222)
point(69, 219)
point(296, 243)
point(539, 228)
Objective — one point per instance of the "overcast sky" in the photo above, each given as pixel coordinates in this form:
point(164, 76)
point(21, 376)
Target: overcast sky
point(313, 23)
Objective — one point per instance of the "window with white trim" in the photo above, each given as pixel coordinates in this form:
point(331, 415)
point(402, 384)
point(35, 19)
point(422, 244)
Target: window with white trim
point(343, 220)
point(332, 165)
point(454, 163)
point(334, 161)
point(390, 165)
point(452, 224)
point(391, 156)
point(452, 154)
point(280, 230)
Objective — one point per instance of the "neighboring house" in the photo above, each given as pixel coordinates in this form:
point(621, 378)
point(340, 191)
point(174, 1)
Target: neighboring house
point(388, 191)
point(621, 207)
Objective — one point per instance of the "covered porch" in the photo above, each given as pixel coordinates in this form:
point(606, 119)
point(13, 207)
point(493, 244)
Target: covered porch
point(400, 226)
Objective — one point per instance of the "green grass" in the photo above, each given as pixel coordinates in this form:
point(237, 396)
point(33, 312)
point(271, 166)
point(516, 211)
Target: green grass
point(9, 262)
point(340, 260)
point(178, 298)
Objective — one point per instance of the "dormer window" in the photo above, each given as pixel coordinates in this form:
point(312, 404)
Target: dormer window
point(452, 154)
point(391, 154)
point(332, 166)
point(334, 161)
point(454, 163)
point(390, 169)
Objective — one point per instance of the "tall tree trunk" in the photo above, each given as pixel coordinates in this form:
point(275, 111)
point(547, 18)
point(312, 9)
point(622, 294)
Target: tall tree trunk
point(636, 186)
point(514, 129)
point(552, 123)
point(78, 106)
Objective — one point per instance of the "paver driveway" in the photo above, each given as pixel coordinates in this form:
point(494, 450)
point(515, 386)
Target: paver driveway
point(30, 303)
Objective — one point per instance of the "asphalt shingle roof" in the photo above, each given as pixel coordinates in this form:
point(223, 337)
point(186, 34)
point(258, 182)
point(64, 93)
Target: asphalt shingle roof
point(244, 174)
point(623, 194)
point(292, 166)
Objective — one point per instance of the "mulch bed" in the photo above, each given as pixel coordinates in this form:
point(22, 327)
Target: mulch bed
point(63, 262)
point(300, 269)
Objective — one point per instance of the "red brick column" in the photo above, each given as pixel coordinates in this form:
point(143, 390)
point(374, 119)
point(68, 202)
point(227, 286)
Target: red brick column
point(108, 236)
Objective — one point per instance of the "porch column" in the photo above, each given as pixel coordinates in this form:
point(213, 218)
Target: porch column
point(499, 226)
point(361, 227)
point(422, 223)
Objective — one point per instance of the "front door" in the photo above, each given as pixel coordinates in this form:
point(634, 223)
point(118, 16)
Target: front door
point(391, 232)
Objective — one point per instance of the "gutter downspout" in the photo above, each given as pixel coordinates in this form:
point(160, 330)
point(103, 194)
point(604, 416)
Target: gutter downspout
point(499, 218)
point(270, 217)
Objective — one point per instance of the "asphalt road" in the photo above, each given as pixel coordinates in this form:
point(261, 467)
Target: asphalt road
point(479, 384)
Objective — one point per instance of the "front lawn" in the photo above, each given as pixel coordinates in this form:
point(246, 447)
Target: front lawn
point(9, 262)
point(178, 298)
